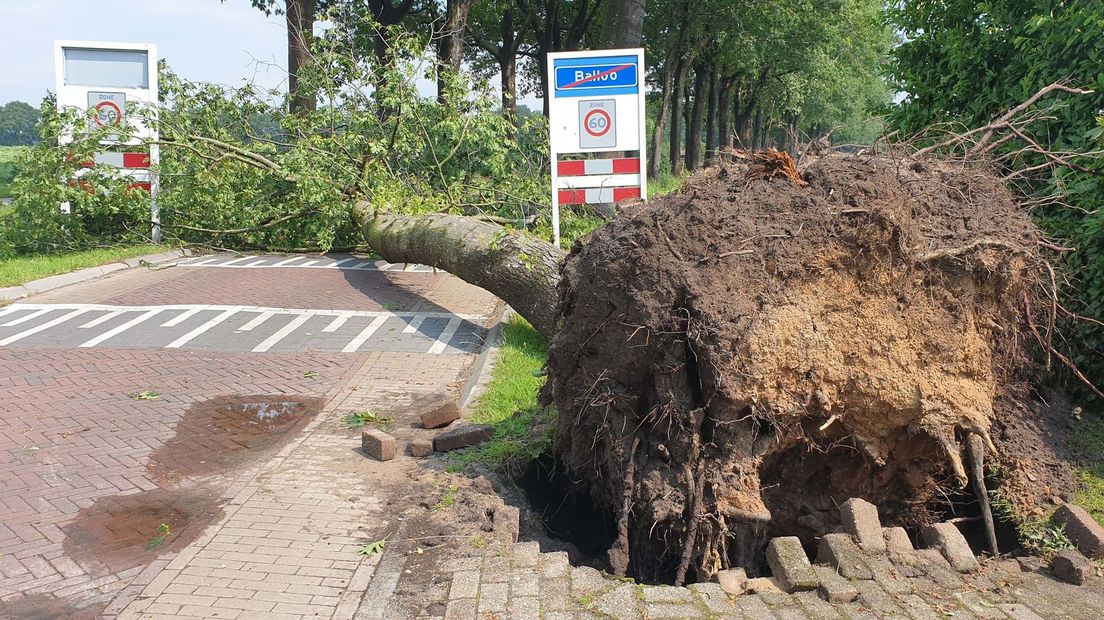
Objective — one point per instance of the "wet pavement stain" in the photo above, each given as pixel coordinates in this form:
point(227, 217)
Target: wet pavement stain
point(48, 607)
point(214, 437)
point(218, 434)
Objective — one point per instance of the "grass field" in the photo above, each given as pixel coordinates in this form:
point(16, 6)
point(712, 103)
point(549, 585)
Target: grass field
point(26, 268)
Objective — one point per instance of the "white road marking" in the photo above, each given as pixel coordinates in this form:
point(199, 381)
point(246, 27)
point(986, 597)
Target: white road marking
point(205, 261)
point(443, 340)
point(254, 264)
point(360, 265)
point(257, 320)
point(413, 325)
point(186, 338)
point(103, 319)
point(8, 310)
point(365, 334)
point(47, 325)
point(286, 261)
point(183, 316)
point(307, 264)
point(24, 319)
point(341, 262)
point(120, 329)
point(476, 318)
point(283, 332)
point(338, 322)
point(237, 260)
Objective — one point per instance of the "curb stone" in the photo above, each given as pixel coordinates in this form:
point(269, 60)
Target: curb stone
point(49, 283)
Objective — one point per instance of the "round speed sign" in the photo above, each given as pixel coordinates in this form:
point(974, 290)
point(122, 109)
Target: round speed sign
point(597, 122)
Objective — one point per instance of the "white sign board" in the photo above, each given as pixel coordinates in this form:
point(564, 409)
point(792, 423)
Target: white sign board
point(596, 106)
point(103, 78)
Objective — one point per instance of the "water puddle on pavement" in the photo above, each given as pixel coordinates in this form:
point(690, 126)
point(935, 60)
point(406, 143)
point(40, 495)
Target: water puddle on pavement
point(48, 607)
point(213, 439)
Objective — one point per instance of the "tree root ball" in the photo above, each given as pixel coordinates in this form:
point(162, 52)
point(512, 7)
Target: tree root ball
point(738, 359)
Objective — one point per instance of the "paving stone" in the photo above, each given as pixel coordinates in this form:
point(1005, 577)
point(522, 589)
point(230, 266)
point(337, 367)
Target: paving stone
point(834, 588)
point(887, 575)
point(671, 611)
point(754, 608)
point(421, 447)
point(1019, 611)
point(715, 599)
point(554, 565)
point(839, 551)
point(934, 558)
point(586, 580)
point(1008, 567)
point(817, 607)
point(464, 584)
point(441, 412)
point(1081, 529)
point(378, 444)
point(524, 582)
point(789, 564)
point(732, 580)
point(526, 554)
point(524, 608)
point(872, 595)
point(947, 538)
point(1071, 566)
point(493, 597)
point(761, 585)
point(917, 608)
point(860, 520)
point(621, 603)
point(897, 541)
point(667, 594)
point(461, 609)
point(462, 437)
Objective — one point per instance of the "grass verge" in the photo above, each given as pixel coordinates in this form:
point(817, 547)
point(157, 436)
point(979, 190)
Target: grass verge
point(26, 268)
point(1088, 440)
point(522, 428)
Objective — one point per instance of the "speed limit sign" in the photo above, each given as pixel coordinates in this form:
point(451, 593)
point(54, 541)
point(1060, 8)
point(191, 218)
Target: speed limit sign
point(597, 123)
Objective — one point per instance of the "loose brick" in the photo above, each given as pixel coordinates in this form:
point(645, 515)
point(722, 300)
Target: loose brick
point(378, 444)
point(440, 413)
point(953, 546)
point(421, 448)
point(732, 580)
point(1071, 566)
point(462, 437)
point(834, 588)
point(860, 520)
point(789, 564)
point(1081, 529)
point(839, 551)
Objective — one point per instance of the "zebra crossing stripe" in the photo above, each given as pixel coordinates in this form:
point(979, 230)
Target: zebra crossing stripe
point(120, 329)
point(341, 262)
point(283, 332)
point(188, 337)
point(256, 263)
point(364, 335)
point(237, 260)
point(413, 325)
point(8, 310)
point(443, 340)
point(103, 319)
point(24, 319)
point(183, 316)
point(287, 261)
point(257, 320)
point(47, 325)
point(338, 322)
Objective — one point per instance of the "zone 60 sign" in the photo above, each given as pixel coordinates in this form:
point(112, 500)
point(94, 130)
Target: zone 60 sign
point(597, 119)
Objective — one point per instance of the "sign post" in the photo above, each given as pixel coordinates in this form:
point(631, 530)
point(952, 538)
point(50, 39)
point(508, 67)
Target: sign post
point(102, 78)
point(596, 107)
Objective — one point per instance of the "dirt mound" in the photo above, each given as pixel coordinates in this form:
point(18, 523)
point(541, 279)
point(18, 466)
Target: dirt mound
point(739, 357)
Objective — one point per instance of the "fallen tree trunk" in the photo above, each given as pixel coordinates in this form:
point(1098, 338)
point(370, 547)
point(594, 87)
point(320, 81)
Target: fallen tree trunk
point(521, 270)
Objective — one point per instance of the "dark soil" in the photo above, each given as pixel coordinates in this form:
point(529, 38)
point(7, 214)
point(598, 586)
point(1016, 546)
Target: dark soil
point(739, 358)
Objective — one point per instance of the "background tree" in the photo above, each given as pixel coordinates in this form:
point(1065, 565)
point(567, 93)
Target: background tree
point(300, 17)
point(18, 122)
point(963, 63)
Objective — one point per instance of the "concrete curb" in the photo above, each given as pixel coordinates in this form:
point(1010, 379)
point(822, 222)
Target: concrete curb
point(486, 362)
point(34, 287)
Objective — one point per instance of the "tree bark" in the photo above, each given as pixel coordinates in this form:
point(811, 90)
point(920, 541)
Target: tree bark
point(450, 47)
point(675, 142)
point(694, 131)
point(521, 270)
point(711, 117)
point(661, 119)
point(623, 24)
point(300, 29)
point(724, 111)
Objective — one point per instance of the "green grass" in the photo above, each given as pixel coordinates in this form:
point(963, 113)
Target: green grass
point(664, 184)
point(1088, 439)
point(8, 159)
point(522, 427)
point(26, 268)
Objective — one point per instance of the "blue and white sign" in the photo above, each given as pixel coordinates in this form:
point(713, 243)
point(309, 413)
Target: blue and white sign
point(596, 107)
point(589, 77)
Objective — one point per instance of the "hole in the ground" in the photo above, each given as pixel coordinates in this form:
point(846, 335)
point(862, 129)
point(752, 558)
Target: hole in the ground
point(568, 513)
point(963, 509)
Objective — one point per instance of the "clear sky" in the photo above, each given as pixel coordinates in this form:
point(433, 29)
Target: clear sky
point(203, 40)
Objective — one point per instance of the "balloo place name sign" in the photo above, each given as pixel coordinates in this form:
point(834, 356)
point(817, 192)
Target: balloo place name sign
point(596, 125)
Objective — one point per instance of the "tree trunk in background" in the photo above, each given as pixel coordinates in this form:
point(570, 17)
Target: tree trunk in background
point(679, 100)
point(622, 24)
point(758, 137)
point(724, 111)
point(694, 131)
point(508, 69)
point(661, 118)
point(450, 47)
point(300, 30)
point(711, 118)
point(521, 270)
